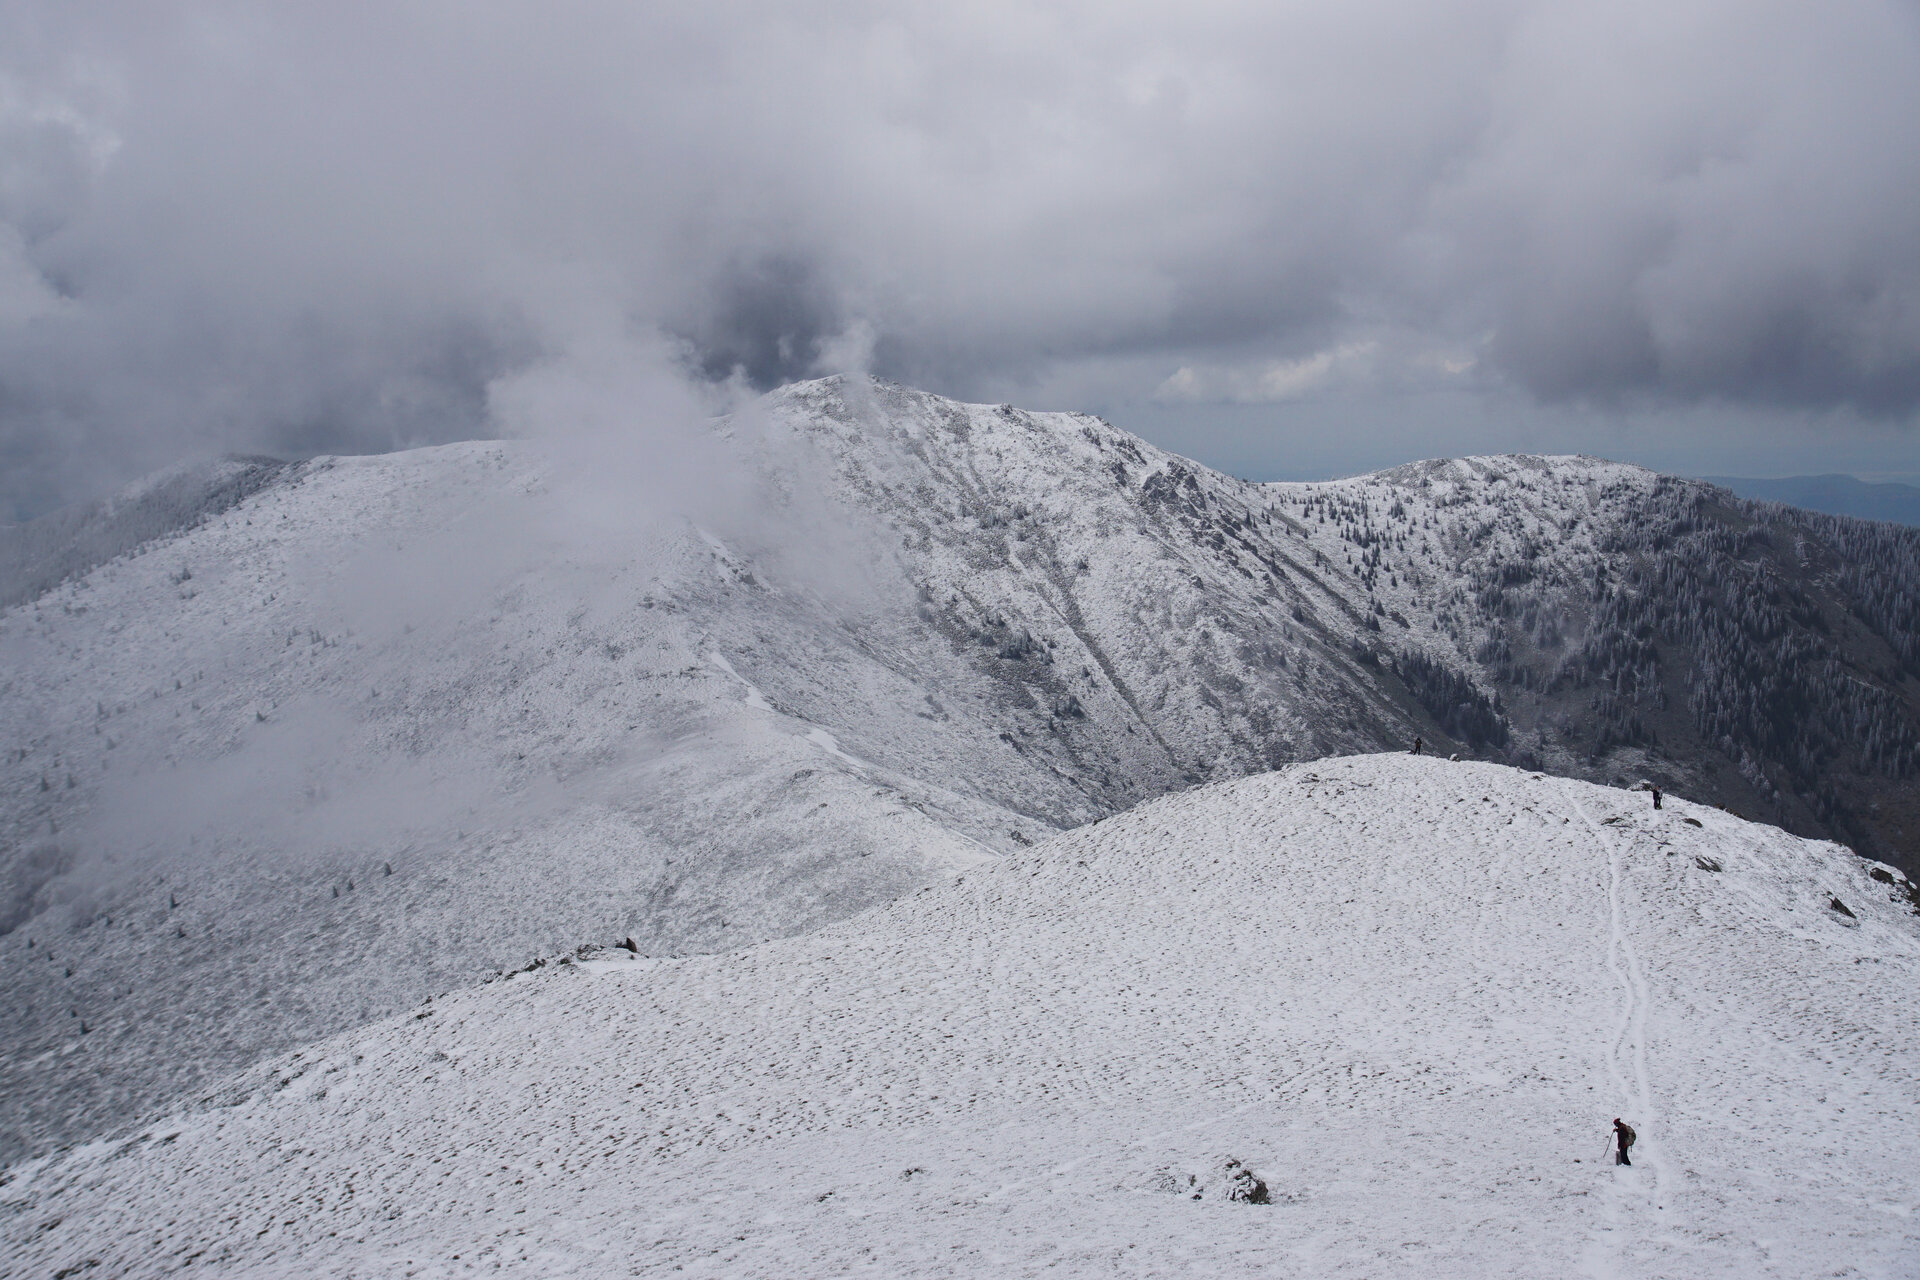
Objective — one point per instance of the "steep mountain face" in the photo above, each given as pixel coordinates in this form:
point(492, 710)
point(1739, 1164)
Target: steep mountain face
point(1621, 624)
point(377, 727)
point(1594, 618)
point(1357, 1015)
point(394, 723)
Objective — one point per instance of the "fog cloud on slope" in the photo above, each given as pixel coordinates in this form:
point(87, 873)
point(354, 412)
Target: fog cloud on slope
point(349, 226)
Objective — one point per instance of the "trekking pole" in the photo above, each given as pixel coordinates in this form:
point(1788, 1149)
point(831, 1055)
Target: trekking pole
point(1606, 1151)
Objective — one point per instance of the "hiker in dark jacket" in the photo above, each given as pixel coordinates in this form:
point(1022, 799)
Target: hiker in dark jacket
point(1656, 796)
point(1416, 748)
point(1623, 1138)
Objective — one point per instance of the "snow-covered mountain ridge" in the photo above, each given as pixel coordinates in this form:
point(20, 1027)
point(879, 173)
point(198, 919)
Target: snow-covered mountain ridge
point(1409, 995)
point(1591, 617)
point(375, 727)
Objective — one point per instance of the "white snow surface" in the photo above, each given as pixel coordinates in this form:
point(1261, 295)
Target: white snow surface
point(1409, 994)
point(392, 723)
point(387, 725)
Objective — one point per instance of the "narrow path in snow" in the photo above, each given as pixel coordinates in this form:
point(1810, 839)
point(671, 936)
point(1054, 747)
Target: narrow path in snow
point(1627, 1065)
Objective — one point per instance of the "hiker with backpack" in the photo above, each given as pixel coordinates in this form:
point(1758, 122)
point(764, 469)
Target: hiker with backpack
point(1623, 1139)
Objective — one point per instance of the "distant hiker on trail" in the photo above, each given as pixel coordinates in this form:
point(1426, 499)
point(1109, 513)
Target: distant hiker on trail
point(1656, 796)
point(1416, 748)
point(1623, 1138)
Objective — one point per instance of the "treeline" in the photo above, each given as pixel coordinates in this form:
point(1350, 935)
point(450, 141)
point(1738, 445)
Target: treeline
point(1454, 701)
point(1748, 591)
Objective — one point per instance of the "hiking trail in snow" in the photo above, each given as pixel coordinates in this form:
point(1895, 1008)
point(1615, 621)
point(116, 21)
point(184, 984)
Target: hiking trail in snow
point(1628, 1196)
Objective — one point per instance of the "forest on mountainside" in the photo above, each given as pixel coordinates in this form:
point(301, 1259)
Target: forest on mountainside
point(1771, 652)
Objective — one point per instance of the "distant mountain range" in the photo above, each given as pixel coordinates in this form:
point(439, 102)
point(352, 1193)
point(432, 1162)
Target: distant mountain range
point(1834, 494)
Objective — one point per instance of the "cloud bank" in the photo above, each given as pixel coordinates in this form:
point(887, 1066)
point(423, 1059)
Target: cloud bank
point(348, 226)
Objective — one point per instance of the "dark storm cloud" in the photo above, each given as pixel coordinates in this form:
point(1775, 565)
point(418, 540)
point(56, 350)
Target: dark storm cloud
point(766, 321)
point(348, 226)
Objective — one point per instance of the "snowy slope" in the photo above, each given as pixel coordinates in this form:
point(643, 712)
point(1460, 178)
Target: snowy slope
point(1591, 618)
point(39, 555)
point(1149, 626)
point(361, 730)
point(388, 727)
point(1408, 995)
point(393, 723)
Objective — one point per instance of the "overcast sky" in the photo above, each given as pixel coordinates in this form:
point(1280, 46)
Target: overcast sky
point(1291, 238)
